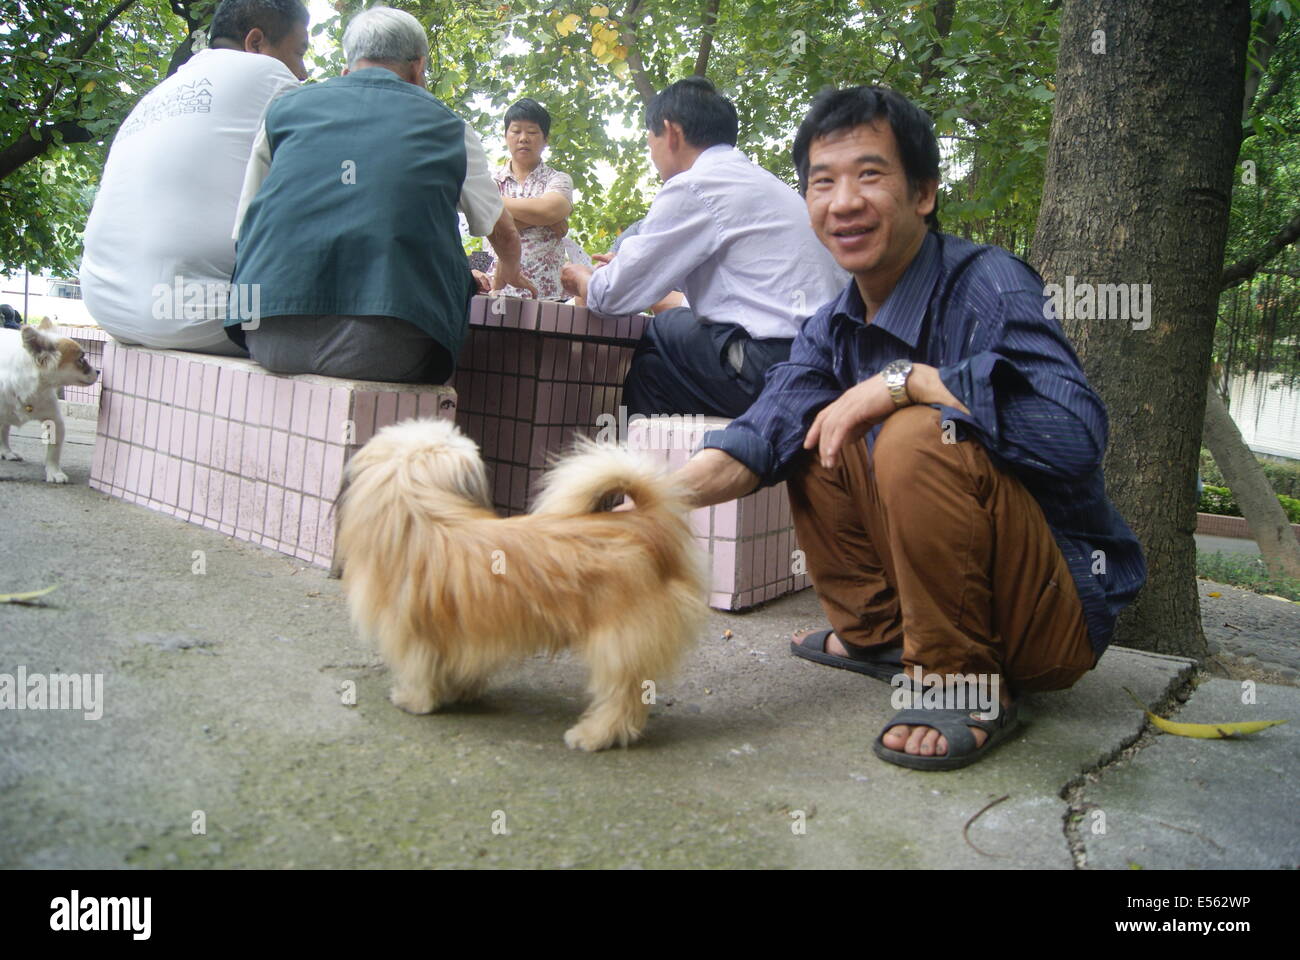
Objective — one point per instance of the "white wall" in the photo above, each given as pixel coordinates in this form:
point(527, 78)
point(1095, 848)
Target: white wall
point(1268, 414)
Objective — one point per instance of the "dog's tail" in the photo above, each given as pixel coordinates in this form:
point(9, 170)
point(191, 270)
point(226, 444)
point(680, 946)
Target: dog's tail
point(597, 474)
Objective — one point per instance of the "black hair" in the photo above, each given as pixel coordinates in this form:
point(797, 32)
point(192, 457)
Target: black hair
point(834, 110)
point(706, 117)
point(275, 18)
point(529, 111)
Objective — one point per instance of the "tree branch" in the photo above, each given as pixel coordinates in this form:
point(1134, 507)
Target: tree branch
point(706, 44)
point(27, 147)
point(1244, 269)
point(639, 76)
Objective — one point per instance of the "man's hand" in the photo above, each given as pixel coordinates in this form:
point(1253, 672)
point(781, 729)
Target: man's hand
point(506, 276)
point(483, 281)
point(560, 228)
point(574, 278)
point(602, 259)
point(848, 419)
point(860, 408)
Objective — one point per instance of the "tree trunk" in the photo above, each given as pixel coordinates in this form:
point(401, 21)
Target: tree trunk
point(1145, 133)
point(1259, 505)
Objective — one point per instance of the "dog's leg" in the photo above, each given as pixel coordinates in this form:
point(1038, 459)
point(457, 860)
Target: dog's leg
point(5, 452)
point(617, 714)
point(418, 683)
point(53, 448)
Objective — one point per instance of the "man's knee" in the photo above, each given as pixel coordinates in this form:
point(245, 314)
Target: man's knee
point(912, 443)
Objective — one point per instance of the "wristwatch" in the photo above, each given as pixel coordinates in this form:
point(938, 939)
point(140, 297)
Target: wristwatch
point(896, 373)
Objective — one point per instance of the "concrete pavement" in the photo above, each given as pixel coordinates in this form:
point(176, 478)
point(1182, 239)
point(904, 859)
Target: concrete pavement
point(224, 709)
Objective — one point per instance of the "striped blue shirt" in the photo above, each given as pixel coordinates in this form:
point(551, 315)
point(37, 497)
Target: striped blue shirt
point(978, 314)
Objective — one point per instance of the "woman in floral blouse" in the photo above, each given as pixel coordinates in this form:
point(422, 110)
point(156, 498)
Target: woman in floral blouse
point(539, 197)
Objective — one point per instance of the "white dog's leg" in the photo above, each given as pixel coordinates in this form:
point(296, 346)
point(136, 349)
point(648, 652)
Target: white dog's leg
point(5, 452)
point(53, 448)
point(419, 684)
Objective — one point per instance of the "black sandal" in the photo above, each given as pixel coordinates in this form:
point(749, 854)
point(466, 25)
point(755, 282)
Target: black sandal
point(883, 663)
point(954, 726)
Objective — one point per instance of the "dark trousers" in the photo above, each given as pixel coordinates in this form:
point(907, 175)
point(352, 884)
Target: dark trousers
point(351, 348)
point(681, 366)
point(928, 543)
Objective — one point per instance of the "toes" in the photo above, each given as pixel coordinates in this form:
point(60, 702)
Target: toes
point(895, 738)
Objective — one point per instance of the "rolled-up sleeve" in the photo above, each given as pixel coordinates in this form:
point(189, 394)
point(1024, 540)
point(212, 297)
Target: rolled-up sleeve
point(768, 437)
point(1030, 403)
point(480, 200)
point(678, 234)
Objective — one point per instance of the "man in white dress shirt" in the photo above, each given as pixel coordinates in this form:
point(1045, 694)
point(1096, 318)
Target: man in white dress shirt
point(158, 251)
point(734, 240)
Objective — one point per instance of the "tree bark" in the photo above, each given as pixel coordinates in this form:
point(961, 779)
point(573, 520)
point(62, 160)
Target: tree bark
point(1137, 191)
point(1259, 504)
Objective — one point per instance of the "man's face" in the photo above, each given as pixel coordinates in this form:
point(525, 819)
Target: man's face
point(661, 154)
point(290, 49)
point(525, 141)
point(860, 204)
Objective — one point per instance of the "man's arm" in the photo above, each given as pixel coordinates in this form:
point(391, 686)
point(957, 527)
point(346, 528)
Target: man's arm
point(860, 408)
point(1023, 394)
point(259, 165)
point(678, 234)
point(712, 476)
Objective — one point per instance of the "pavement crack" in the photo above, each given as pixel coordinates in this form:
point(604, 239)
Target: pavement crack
point(1077, 809)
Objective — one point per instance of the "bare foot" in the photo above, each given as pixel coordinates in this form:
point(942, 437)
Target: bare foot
point(921, 741)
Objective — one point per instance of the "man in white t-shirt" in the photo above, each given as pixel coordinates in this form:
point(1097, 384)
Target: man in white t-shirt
point(158, 250)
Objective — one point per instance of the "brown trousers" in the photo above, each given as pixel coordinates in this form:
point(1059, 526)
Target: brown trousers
point(929, 543)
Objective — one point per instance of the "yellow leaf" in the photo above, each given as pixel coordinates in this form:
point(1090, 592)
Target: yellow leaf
point(90, 85)
point(1206, 731)
point(600, 11)
point(1214, 594)
point(621, 69)
point(620, 52)
point(23, 597)
point(568, 25)
point(598, 47)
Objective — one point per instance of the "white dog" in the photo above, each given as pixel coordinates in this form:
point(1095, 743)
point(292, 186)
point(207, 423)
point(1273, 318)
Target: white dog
point(33, 365)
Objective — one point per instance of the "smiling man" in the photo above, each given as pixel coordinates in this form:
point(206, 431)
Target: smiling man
point(942, 445)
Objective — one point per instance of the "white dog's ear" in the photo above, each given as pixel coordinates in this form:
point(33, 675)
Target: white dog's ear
point(43, 350)
point(45, 324)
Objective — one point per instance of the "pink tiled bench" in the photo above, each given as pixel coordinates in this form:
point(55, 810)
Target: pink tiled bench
point(222, 442)
point(532, 374)
point(92, 340)
point(750, 541)
point(1218, 525)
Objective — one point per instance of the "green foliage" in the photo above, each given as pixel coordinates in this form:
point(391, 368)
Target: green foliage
point(986, 77)
point(1220, 500)
point(72, 75)
point(1284, 477)
point(1246, 572)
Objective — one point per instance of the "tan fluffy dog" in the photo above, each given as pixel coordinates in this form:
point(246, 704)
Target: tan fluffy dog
point(449, 592)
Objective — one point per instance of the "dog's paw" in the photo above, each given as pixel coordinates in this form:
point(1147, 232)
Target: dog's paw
point(589, 738)
point(55, 475)
point(9, 455)
point(418, 702)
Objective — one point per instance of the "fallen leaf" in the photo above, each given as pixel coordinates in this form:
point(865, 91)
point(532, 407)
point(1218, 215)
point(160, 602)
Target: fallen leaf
point(1206, 731)
point(25, 597)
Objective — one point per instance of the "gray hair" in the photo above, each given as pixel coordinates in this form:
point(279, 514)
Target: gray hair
point(385, 35)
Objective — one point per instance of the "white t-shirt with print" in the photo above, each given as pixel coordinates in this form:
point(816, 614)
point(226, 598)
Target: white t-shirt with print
point(158, 250)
